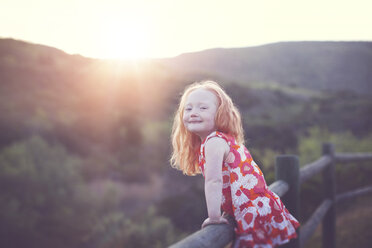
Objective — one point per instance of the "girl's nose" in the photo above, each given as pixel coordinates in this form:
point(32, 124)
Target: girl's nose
point(193, 114)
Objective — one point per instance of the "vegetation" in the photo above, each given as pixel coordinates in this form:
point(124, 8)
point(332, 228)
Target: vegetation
point(352, 225)
point(84, 144)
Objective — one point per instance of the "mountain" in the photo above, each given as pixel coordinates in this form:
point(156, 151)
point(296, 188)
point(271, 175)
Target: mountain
point(335, 66)
point(47, 91)
point(100, 134)
point(280, 87)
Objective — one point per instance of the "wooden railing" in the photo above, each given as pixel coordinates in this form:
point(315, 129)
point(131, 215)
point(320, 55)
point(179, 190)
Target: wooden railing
point(288, 179)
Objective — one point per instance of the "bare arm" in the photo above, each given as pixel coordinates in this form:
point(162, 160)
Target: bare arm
point(215, 151)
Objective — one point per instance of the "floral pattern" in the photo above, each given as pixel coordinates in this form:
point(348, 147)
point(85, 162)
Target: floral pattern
point(261, 217)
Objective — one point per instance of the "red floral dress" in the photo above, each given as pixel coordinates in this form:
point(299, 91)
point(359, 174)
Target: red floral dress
point(261, 218)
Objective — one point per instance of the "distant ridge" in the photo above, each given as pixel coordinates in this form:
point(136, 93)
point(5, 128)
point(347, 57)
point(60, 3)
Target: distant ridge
point(308, 64)
point(314, 65)
point(9, 45)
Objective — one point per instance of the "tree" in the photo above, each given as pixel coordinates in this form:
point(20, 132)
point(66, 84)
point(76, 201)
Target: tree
point(39, 202)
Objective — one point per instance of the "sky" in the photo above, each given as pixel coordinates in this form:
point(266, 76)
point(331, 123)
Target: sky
point(125, 29)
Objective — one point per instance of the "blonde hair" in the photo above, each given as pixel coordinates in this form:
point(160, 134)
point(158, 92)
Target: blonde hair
point(186, 144)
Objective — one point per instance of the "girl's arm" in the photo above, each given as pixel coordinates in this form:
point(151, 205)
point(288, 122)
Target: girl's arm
point(215, 151)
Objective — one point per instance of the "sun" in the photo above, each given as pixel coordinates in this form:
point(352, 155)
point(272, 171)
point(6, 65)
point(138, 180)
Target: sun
point(125, 39)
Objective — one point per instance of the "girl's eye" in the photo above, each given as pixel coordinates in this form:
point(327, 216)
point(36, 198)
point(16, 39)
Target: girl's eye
point(203, 107)
point(187, 109)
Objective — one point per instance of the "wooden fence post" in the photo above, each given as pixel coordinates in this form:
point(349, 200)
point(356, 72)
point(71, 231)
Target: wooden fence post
point(287, 169)
point(329, 220)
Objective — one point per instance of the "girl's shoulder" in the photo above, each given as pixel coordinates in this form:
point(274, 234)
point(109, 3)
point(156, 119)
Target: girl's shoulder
point(216, 143)
point(219, 138)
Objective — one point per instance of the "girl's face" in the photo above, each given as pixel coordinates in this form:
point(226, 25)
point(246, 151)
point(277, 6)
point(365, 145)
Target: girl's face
point(200, 111)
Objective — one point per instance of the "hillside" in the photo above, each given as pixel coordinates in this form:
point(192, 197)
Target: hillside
point(334, 66)
point(47, 91)
point(281, 89)
point(84, 143)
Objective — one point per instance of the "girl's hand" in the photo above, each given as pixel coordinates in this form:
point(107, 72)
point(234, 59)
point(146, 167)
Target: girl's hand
point(220, 220)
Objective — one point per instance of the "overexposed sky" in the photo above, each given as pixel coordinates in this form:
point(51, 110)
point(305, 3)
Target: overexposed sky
point(166, 28)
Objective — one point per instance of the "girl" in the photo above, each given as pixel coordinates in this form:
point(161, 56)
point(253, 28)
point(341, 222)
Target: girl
point(207, 137)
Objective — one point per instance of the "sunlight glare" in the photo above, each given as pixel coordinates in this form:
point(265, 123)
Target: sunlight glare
point(127, 39)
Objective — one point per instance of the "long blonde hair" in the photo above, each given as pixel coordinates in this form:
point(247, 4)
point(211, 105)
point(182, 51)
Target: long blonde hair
point(186, 144)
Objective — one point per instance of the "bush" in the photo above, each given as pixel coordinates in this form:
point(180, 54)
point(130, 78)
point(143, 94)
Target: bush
point(38, 200)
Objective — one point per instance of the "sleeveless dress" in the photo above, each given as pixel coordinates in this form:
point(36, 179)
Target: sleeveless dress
point(261, 218)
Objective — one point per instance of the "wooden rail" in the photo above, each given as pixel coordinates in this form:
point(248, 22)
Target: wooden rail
point(314, 168)
point(211, 236)
point(288, 179)
point(308, 228)
point(220, 235)
point(352, 157)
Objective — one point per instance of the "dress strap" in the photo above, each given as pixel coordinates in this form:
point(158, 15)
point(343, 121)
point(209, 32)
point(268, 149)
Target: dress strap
point(217, 134)
point(229, 140)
